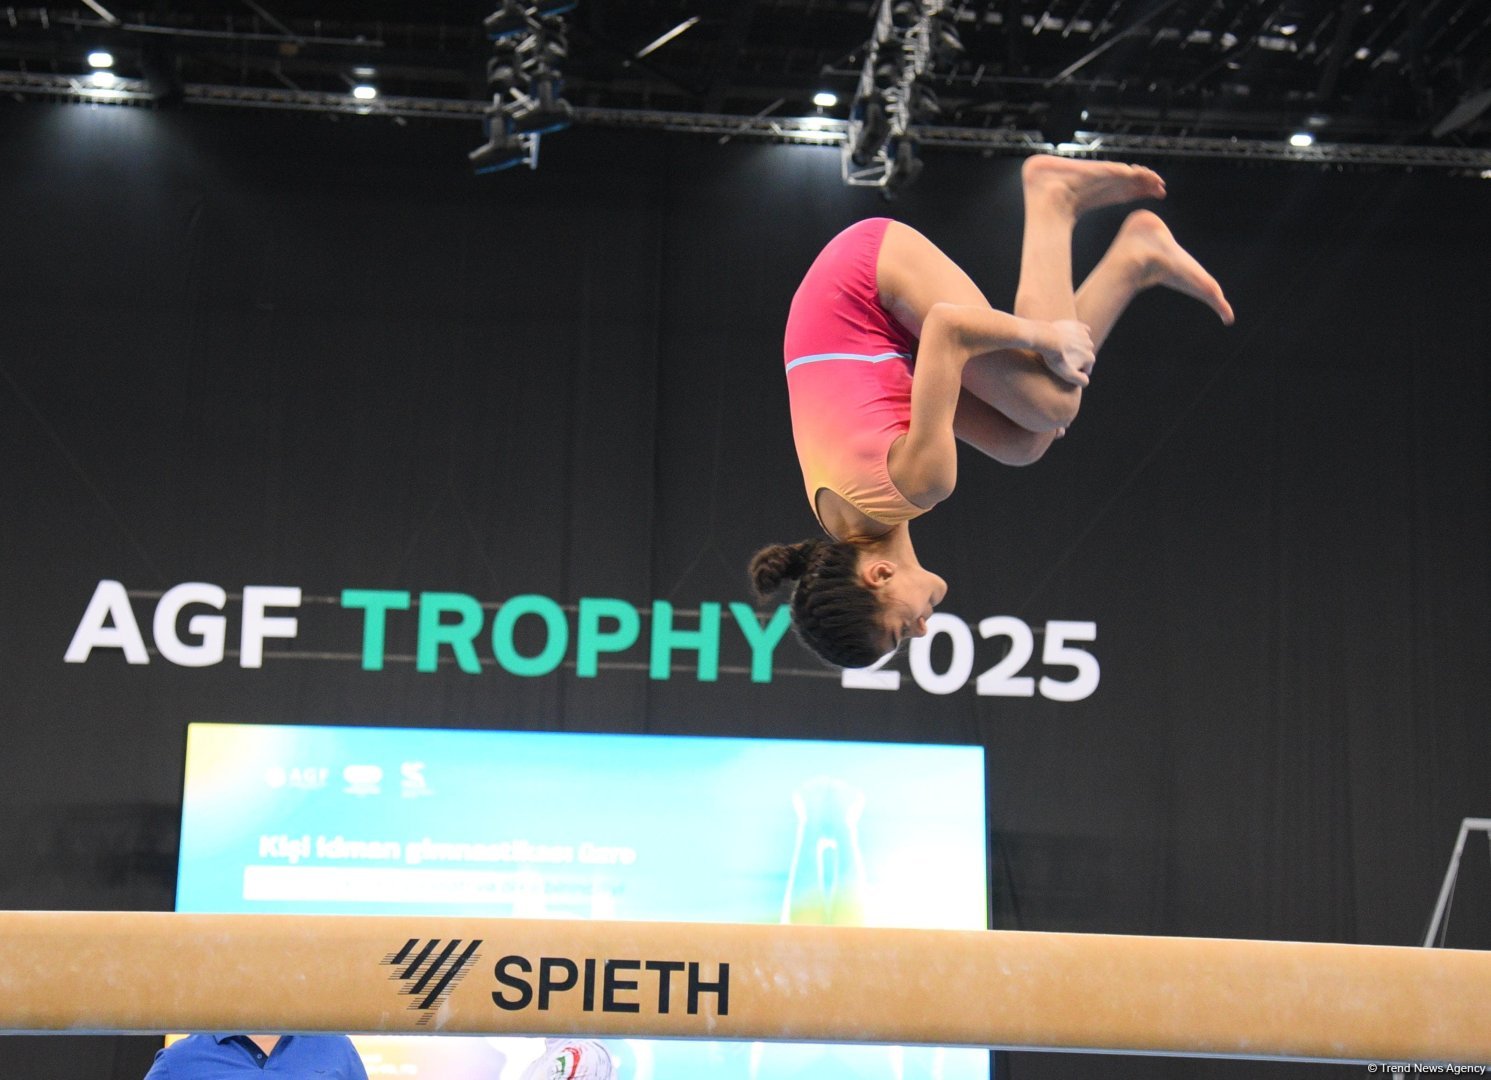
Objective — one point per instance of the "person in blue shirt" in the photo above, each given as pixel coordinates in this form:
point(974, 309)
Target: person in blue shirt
point(225, 1056)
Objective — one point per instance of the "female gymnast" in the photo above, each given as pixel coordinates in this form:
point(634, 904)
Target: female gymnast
point(893, 354)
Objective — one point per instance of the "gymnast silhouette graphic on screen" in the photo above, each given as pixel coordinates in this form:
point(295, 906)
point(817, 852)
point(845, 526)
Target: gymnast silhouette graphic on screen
point(893, 354)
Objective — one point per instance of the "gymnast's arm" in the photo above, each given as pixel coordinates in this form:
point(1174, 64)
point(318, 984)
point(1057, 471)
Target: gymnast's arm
point(924, 465)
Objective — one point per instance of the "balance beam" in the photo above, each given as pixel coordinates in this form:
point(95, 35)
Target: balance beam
point(108, 972)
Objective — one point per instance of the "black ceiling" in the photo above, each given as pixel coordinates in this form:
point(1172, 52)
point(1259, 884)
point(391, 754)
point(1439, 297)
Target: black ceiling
point(1402, 73)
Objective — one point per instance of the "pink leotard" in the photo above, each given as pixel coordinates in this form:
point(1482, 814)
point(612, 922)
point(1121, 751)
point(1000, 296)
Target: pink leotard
point(849, 377)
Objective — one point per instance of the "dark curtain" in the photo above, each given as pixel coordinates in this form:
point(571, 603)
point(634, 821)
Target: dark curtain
point(251, 350)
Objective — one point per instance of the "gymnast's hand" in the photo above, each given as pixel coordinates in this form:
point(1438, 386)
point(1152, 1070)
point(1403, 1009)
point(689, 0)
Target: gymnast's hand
point(1066, 346)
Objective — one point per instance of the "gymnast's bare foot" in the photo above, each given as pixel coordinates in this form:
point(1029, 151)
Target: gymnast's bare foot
point(1080, 186)
point(1159, 260)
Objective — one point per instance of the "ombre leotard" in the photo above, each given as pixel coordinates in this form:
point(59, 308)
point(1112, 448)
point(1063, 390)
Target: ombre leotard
point(849, 369)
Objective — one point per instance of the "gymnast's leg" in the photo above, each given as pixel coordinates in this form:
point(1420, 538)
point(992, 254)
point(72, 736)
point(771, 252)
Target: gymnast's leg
point(913, 275)
point(1012, 406)
point(1143, 255)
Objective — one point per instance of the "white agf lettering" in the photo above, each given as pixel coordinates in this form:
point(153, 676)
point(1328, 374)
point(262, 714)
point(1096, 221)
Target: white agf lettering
point(257, 626)
point(211, 629)
point(110, 623)
point(109, 603)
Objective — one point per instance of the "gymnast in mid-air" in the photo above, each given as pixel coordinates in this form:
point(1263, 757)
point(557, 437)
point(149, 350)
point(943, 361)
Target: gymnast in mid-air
point(893, 354)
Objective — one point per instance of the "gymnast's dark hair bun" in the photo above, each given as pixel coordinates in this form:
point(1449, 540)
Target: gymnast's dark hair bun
point(777, 563)
point(834, 613)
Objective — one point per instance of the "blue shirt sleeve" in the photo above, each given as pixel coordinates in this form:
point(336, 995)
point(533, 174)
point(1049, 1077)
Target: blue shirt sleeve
point(355, 1068)
point(159, 1070)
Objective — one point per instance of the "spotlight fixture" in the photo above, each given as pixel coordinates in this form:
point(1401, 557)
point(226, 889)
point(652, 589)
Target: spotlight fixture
point(529, 45)
point(504, 148)
point(508, 20)
point(945, 37)
point(825, 99)
point(908, 39)
point(364, 92)
point(100, 59)
point(500, 154)
point(1301, 139)
point(547, 111)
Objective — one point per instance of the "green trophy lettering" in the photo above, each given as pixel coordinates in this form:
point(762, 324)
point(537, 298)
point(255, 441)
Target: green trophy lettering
point(459, 636)
point(375, 605)
point(762, 639)
point(550, 656)
point(591, 640)
point(666, 640)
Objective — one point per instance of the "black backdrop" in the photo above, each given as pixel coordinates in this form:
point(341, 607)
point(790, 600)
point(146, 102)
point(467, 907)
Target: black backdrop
point(266, 349)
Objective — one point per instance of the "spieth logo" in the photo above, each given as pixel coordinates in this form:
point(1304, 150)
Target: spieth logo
point(430, 970)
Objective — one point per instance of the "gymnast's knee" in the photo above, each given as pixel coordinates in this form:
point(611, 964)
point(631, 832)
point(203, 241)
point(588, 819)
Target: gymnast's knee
point(1055, 410)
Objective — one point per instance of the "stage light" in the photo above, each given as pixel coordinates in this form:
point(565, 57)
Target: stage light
point(549, 48)
point(910, 39)
point(1301, 139)
point(100, 59)
point(947, 39)
point(503, 74)
point(104, 80)
point(503, 149)
point(825, 99)
point(545, 121)
point(548, 112)
point(529, 46)
point(364, 92)
point(511, 18)
point(496, 156)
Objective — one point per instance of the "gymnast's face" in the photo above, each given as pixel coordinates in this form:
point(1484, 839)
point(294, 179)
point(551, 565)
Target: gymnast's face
point(908, 593)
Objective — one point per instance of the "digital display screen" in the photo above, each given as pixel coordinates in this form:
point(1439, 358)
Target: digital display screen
point(344, 820)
